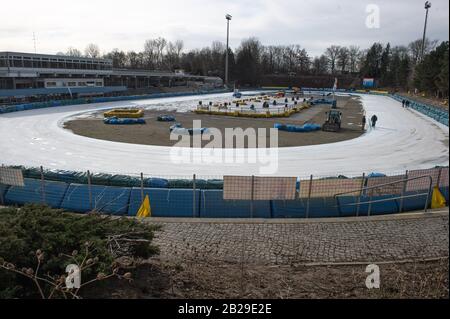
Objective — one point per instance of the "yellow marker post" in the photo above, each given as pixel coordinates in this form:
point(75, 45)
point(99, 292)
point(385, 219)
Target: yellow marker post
point(145, 209)
point(437, 199)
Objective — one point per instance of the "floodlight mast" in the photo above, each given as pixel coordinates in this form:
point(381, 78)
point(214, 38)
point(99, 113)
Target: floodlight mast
point(228, 17)
point(427, 6)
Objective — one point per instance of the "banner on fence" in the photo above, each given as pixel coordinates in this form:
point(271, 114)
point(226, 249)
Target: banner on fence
point(11, 176)
point(329, 187)
point(383, 189)
point(422, 183)
point(259, 188)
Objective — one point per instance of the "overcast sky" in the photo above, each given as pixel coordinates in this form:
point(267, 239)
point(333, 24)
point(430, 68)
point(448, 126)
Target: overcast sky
point(314, 24)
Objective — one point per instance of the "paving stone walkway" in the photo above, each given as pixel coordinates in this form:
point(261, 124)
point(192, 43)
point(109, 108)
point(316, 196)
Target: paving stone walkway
point(312, 241)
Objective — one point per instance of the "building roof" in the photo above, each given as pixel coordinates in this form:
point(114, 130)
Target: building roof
point(52, 56)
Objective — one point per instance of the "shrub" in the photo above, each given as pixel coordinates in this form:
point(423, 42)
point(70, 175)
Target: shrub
point(37, 241)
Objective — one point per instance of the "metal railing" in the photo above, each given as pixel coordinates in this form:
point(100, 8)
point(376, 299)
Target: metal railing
point(402, 196)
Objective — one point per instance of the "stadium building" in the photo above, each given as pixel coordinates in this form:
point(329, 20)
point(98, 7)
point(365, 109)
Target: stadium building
point(27, 76)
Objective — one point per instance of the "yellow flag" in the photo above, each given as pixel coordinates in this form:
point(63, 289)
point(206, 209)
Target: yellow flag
point(145, 209)
point(437, 199)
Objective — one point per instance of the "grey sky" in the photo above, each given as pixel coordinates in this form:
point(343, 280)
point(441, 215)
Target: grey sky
point(314, 24)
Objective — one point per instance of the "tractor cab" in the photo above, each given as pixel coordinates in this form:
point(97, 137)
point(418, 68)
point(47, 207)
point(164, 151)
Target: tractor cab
point(333, 122)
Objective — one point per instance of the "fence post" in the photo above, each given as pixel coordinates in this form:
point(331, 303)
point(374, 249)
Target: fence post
point(252, 197)
point(370, 205)
point(400, 209)
point(193, 195)
point(42, 185)
point(360, 193)
point(89, 189)
point(439, 177)
point(309, 195)
point(2, 200)
point(430, 187)
point(142, 187)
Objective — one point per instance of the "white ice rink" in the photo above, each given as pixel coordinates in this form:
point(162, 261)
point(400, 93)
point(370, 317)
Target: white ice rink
point(403, 139)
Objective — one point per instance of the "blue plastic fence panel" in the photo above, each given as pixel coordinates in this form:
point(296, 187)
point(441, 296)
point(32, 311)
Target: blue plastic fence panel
point(213, 205)
point(106, 199)
point(444, 191)
point(3, 189)
point(51, 194)
point(318, 207)
point(415, 203)
point(166, 202)
point(378, 208)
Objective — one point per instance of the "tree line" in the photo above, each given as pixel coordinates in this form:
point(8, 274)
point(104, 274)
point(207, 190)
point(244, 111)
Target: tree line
point(394, 67)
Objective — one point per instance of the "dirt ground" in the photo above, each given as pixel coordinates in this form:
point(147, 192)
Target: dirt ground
point(157, 133)
point(199, 279)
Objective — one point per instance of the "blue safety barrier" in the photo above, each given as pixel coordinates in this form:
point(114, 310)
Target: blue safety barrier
point(318, 207)
point(308, 127)
point(39, 105)
point(36, 192)
point(166, 118)
point(105, 199)
point(213, 205)
point(166, 202)
point(122, 121)
point(431, 111)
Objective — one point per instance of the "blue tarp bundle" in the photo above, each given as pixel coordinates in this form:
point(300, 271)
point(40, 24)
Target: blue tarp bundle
point(308, 127)
point(324, 101)
point(375, 174)
point(166, 118)
point(122, 121)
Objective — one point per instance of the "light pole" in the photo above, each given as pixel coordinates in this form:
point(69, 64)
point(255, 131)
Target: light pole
point(427, 6)
point(228, 17)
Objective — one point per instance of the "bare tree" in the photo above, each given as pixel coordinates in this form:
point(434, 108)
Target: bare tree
point(150, 53)
point(92, 51)
point(160, 45)
point(179, 45)
point(343, 58)
point(73, 52)
point(415, 49)
point(320, 65)
point(354, 57)
point(332, 53)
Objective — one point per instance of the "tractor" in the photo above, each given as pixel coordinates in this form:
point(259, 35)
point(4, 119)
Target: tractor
point(333, 122)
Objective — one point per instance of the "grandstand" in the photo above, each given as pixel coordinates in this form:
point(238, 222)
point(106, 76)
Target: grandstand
point(27, 76)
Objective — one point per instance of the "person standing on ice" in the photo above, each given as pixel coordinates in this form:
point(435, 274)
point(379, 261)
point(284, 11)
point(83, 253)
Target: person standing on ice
point(403, 103)
point(363, 122)
point(374, 120)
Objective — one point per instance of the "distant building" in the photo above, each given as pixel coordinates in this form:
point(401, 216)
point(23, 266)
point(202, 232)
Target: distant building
point(25, 75)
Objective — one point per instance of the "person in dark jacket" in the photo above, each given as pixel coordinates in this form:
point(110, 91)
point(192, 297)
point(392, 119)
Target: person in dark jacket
point(363, 122)
point(403, 103)
point(374, 120)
